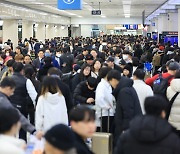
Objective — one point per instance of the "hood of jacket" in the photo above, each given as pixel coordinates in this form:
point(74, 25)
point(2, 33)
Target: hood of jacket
point(149, 128)
point(175, 85)
point(53, 98)
point(124, 82)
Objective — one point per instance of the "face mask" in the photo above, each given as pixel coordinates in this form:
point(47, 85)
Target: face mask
point(47, 54)
point(58, 55)
point(7, 54)
point(125, 57)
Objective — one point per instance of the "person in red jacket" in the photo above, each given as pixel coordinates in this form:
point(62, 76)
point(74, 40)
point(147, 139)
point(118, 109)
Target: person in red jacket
point(171, 71)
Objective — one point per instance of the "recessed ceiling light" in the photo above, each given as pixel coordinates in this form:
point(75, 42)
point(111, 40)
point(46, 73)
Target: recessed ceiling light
point(103, 16)
point(127, 2)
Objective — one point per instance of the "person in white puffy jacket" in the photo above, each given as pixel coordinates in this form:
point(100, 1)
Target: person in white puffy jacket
point(174, 118)
point(104, 101)
point(51, 106)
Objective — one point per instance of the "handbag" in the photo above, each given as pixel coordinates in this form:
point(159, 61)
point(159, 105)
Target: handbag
point(170, 105)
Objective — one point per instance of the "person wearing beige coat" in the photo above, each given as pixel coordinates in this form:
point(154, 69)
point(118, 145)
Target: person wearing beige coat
point(174, 118)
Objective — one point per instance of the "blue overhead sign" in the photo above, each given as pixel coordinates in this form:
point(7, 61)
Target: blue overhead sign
point(70, 4)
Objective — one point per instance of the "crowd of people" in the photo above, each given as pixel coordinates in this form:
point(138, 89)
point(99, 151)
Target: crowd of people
point(66, 89)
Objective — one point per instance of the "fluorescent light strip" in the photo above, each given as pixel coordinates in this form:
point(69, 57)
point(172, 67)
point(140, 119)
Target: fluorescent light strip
point(127, 10)
point(174, 2)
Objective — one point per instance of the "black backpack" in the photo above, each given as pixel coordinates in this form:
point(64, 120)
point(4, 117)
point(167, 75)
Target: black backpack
point(161, 84)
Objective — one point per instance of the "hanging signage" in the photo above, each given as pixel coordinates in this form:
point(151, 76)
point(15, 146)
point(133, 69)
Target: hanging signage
point(70, 4)
point(96, 12)
point(170, 33)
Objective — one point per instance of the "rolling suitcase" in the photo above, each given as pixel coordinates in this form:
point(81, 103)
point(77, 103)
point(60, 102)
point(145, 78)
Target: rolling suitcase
point(102, 142)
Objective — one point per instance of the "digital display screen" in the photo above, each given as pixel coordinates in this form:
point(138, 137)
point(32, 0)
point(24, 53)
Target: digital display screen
point(127, 26)
point(135, 26)
point(132, 27)
point(171, 39)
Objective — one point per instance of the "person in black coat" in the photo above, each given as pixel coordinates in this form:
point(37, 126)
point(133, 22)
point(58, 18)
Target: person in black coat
point(151, 133)
point(43, 71)
point(67, 61)
point(127, 102)
point(79, 77)
point(82, 121)
point(85, 92)
point(29, 73)
point(138, 52)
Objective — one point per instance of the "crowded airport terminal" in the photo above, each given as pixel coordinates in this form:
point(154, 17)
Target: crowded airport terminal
point(89, 77)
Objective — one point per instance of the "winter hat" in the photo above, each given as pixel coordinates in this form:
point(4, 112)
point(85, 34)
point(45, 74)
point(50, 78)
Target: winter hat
point(61, 137)
point(110, 59)
point(174, 66)
point(76, 67)
point(161, 48)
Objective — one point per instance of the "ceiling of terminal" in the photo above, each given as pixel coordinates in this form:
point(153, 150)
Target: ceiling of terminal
point(109, 8)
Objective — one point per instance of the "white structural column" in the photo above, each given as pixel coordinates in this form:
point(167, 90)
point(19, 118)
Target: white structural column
point(40, 32)
point(162, 23)
point(172, 24)
point(86, 30)
point(10, 31)
point(178, 25)
point(50, 31)
point(27, 29)
point(63, 31)
point(76, 31)
point(58, 30)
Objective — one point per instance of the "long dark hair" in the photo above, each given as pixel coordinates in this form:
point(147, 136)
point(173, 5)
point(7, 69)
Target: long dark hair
point(81, 74)
point(29, 72)
point(92, 68)
point(49, 84)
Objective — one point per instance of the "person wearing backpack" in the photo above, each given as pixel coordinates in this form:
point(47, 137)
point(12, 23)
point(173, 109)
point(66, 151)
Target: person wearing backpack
point(173, 91)
point(156, 83)
point(156, 61)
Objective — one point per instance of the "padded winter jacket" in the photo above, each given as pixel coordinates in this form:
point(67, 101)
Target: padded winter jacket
point(127, 105)
point(148, 135)
point(174, 118)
